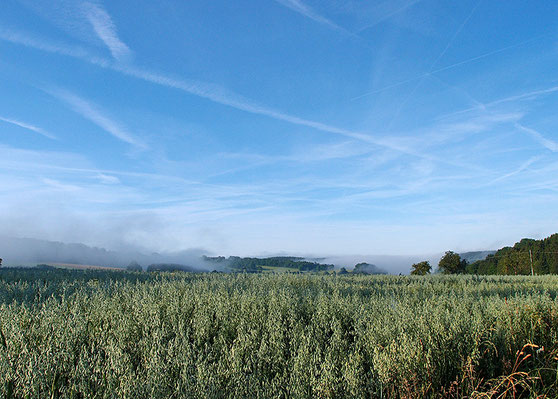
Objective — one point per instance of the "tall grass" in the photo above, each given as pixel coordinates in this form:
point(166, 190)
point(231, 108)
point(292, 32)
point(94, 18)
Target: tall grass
point(131, 335)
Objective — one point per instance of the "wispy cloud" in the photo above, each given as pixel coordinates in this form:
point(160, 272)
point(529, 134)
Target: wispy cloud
point(86, 20)
point(389, 10)
point(107, 179)
point(525, 96)
point(455, 35)
point(133, 213)
point(106, 31)
point(24, 39)
point(221, 95)
point(461, 127)
point(549, 144)
point(451, 66)
point(212, 92)
point(528, 95)
point(305, 10)
point(93, 113)
point(58, 185)
point(28, 127)
point(521, 168)
point(433, 65)
point(304, 155)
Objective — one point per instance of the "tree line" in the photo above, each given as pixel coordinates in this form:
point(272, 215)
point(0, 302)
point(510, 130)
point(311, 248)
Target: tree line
point(256, 265)
point(526, 257)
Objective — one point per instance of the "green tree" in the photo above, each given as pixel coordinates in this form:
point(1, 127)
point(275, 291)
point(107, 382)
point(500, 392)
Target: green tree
point(367, 268)
point(515, 263)
point(451, 263)
point(342, 271)
point(421, 269)
point(134, 267)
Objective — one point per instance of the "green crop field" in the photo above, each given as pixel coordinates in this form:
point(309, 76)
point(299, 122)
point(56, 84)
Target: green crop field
point(271, 269)
point(103, 334)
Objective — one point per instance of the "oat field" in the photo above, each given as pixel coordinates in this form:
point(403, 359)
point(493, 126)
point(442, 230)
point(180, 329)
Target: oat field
point(103, 334)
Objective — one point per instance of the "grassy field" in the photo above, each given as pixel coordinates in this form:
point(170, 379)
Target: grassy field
point(271, 269)
point(110, 334)
point(80, 267)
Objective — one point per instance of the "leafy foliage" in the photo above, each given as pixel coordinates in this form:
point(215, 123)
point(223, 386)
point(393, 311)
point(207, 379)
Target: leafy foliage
point(134, 267)
point(255, 265)
point(367, 268)
point(451, 263)
point(170, 267)
point(421, 269)
point(517, 259)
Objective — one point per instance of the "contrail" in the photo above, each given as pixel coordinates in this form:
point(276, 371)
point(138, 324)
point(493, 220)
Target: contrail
point(104, 28)
point(219, 95)
point(448, 45)
point(476, 58)
point(28, 127)
point(93, 113)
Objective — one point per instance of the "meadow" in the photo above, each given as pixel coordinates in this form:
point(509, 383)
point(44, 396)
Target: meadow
point(105, 334)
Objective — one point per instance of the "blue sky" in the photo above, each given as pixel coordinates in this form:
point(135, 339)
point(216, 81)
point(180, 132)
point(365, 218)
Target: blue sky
point(279, 126)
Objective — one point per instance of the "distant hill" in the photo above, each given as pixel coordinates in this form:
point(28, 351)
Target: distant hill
point(21, 251)
point(31, 251)
point(542, 255)
point(256, 265)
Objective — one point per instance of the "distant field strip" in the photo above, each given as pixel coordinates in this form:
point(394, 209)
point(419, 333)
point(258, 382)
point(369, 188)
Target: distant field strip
point(109, 334)
point(81, 267)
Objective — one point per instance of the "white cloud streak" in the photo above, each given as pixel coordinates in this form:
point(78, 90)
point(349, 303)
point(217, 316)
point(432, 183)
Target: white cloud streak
point(212, 92)
point(39, 44)
point(305, 10)
point(223, 96)
point(521, 168)
point(547, 143)
point(131, 212)
point(107, 179)
point(105, 29)
point(455, 35)
point(529, 95)
point(28, 127)
point(86, 20)
point(94, 114)
point(455, 65)
point(389, 12)
point(58, 185)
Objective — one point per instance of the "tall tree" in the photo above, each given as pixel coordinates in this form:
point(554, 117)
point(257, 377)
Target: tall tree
point(451, 263)
point(421, 269)
point(134, 267)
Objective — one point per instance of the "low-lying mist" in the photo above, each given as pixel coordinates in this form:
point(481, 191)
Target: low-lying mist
point(30, 251)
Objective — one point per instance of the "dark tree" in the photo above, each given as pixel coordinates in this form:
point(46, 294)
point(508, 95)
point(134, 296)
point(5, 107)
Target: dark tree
point(367, 268)
point(421, 269)
point(451, 263)
point(170, 267)
point(515, 262)
point(134, 267)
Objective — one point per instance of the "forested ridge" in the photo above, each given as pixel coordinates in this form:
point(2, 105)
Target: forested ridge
point(542, 255)
point(255, 265)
